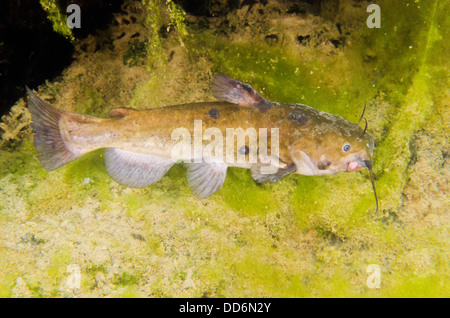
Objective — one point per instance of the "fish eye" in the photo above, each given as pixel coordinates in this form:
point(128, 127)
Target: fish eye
point(346, 147)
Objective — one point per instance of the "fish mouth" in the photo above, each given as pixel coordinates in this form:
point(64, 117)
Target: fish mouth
point(356, 164)
point(353, 165)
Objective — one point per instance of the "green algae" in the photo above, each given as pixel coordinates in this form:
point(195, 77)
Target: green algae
point(93, 103)
point(249, 197)
point(417, 105)
point(161, 17)
point(154, 22)
point(127, 279)
point(19, 161)
point(57, 267)
point(280, 75)
point(136, 53)
point(130, 292)
point(57, 19)
point(87, 178)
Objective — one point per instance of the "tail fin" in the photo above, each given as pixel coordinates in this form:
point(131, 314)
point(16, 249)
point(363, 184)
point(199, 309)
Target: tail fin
point(47, 138)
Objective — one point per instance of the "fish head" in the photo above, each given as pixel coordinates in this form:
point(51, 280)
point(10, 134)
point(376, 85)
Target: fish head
point(348, 153)
point(333, 151)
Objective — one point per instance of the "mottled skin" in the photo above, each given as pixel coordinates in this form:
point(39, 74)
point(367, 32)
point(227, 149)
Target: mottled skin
point(301, 128)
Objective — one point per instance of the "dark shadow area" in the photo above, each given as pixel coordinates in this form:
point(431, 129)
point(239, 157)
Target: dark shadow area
point(31, 52)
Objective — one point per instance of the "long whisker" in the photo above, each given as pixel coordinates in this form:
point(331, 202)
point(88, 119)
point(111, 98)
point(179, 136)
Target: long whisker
point(369, 166)
point(365, 129)
point(364, 110)
point(372, 180)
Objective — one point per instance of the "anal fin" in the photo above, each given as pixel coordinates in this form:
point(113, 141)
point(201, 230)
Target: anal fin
point(206, 178)
point(135, 170)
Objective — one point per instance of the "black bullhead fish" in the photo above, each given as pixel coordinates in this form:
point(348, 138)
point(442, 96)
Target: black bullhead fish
point(241, 129)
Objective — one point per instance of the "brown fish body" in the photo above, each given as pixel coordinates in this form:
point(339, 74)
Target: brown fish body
point(139, 143)
point(149, 131)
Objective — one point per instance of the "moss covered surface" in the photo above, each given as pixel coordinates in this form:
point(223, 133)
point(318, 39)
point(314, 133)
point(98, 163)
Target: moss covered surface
point(303, 236)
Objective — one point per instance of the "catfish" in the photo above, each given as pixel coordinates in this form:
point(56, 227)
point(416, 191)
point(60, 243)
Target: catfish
point(140, 144)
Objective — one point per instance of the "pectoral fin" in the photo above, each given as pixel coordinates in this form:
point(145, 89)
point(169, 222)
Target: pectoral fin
point(205, 178)
point(135, 170)
point(304, 163)
point(260, 175)
point(230, 90)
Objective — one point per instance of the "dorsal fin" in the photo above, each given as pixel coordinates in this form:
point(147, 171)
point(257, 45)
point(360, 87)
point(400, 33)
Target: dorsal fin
point(121, 112)
point(230, 90)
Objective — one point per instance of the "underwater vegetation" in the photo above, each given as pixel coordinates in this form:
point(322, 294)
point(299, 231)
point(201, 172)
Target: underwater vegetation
point(162, 17)
point(301, 237)
point(57, 18)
